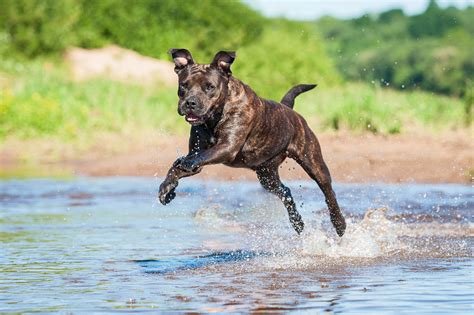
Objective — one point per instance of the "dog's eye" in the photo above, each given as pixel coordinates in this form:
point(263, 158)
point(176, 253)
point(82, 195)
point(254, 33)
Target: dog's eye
point(183, 86)
point(209, 87)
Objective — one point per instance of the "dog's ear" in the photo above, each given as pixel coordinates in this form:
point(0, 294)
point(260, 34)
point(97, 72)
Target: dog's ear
point(181, 57)
point(222, 60)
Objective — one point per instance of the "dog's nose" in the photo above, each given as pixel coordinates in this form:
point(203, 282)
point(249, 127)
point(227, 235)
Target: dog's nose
point(191, 103)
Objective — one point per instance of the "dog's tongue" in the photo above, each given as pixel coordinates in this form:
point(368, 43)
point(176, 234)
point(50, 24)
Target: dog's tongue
point(191, 117)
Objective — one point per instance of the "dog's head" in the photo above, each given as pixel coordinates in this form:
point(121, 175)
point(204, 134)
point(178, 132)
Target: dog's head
point(202, 88)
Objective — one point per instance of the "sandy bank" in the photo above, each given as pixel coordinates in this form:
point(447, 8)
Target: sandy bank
point(351, 158)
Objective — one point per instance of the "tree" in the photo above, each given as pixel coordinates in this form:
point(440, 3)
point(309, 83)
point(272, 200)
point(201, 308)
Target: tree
point(434, 22)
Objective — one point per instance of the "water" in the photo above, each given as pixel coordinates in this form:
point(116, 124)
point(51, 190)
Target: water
point(104, 244)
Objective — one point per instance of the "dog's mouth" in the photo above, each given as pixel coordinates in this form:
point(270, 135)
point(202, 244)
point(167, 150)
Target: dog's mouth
point(192, 118)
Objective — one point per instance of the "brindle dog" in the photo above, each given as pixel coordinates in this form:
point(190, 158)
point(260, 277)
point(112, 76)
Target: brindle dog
point(230, 124)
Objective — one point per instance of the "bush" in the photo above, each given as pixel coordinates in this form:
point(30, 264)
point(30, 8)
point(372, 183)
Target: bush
point(39, 26)
point(150, 27)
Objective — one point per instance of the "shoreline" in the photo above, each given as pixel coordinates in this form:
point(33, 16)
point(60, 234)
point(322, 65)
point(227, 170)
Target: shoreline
point(360, 158)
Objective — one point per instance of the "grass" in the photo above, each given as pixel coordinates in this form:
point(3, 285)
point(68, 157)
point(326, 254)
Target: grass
point(360, 107)
point(37, 99)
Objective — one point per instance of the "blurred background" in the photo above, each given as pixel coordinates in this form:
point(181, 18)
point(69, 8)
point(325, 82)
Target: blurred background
point(88, 94)
point(75, 73)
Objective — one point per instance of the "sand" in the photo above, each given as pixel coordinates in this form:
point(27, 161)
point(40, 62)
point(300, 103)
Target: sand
point(120, 64)
point(422, 158)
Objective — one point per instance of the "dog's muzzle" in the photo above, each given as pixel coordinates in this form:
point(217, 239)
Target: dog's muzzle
point(191, 106)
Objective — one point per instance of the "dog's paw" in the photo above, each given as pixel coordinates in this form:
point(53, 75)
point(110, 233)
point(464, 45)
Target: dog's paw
point(339, 224)
point(188, 165)
point(166, 193)
point(296, 221)
point(298, 226)
point(178, 161)
point(166, 198)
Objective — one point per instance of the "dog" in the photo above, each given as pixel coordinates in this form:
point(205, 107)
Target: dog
point(231, 125)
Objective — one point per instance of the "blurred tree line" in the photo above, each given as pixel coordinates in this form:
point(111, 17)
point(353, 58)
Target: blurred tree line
point(433, 50)
point(47, 27)
point(38, 27)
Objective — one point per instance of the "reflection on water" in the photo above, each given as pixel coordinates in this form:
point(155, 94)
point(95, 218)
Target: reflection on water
point(95, 245)
point(172, 265)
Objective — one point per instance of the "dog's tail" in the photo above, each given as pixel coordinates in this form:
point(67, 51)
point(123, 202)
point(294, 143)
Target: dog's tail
point(289, 98)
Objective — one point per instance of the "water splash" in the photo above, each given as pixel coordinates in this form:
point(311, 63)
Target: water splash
point(374, 236)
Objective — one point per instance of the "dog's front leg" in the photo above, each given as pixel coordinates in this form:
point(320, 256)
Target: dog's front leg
point(231, 140)
point(220, 153)
point(167, 188)
point(190, 165)
point(199, 139)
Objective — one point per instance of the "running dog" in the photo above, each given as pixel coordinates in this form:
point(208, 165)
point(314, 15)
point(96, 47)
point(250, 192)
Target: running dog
point(231, 125)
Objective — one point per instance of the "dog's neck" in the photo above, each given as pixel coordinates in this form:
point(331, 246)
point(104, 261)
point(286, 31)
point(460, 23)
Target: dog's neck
point(216, 118)
point(239, 92)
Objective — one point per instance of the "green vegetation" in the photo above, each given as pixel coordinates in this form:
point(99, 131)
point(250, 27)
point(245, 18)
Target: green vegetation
point(151, 27)
point(38, 100)
point(37, 28)
point(288, 53)
point(431, 51)
point(360, 107)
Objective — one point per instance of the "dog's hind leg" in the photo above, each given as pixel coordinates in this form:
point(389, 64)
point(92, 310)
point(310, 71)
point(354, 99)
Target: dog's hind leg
point(270, 180)
point(311, 160)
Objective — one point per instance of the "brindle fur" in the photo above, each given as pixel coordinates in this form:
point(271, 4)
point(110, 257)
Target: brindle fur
point(239, 129)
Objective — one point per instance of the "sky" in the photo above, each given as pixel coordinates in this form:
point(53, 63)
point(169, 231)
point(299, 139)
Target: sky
point(312, 9)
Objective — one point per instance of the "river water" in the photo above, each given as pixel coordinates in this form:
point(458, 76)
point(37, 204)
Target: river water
point(106, 245)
